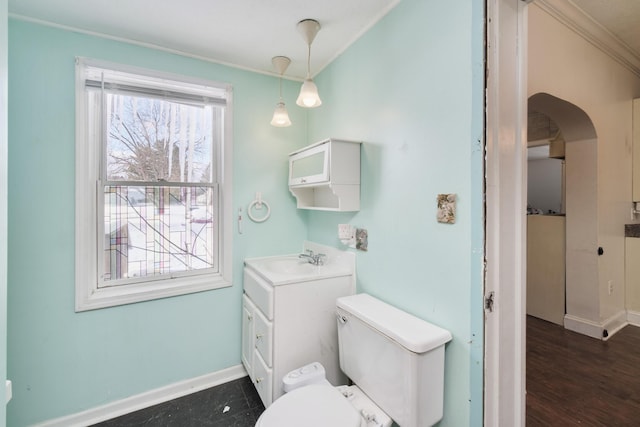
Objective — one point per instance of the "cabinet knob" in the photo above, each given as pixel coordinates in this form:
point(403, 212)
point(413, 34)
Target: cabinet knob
point(249, 317)
point(259, 380)
point(258, 336)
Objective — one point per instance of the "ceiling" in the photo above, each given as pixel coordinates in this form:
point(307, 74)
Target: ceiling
point(248, 33)
point(619, 17)
point(244, 33)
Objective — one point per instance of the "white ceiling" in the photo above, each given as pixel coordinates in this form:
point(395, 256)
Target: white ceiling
point(620, 17)
point(248, 33)
point(244, 33)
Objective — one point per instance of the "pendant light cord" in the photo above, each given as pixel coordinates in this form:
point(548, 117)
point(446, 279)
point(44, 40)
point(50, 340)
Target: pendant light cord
point(309, 60)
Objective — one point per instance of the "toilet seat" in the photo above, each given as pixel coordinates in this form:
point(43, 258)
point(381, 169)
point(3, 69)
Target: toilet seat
point(317, 405)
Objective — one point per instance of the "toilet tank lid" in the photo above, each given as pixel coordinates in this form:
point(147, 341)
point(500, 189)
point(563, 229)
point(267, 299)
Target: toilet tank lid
point(416, 335)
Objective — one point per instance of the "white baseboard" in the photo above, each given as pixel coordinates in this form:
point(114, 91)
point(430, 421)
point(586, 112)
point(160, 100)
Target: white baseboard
point(633, 317)
point(583, 326)
point(615, 323)
point(594, 329)
point(146, 399)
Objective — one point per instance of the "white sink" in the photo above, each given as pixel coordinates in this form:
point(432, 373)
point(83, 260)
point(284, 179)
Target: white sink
point(291, 265)
point(284, 269)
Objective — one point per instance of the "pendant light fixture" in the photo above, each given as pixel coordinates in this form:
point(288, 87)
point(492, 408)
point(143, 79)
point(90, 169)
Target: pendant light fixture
point(280, 115)
point(308, 97)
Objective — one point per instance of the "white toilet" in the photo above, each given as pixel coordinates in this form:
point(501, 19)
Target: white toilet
point(395, 360)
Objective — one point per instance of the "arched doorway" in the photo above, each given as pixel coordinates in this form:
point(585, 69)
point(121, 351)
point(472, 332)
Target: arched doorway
point(581, 235)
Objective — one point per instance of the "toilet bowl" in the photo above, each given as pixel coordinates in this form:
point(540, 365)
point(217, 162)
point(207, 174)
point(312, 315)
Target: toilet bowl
point(323, 405)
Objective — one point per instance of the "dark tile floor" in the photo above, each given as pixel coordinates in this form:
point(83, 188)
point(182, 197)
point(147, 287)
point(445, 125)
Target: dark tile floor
point(204, 408)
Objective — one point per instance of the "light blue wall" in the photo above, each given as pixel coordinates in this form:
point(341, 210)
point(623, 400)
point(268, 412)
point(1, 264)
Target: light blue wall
point(412, 90)
point(62, 362)
point(4, 46)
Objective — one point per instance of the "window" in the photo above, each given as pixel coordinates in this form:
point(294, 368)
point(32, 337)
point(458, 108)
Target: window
point(153, 184)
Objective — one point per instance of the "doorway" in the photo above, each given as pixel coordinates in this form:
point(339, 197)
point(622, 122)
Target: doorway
point(546, 218)
point(570, 67)
point(572, 254)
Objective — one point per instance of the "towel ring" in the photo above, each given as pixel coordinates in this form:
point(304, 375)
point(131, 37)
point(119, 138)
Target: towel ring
point(258, 203)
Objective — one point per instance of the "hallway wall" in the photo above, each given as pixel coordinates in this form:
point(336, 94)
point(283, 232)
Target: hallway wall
point(565, 65)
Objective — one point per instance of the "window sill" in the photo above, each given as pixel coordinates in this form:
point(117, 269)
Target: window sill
point(96, 298)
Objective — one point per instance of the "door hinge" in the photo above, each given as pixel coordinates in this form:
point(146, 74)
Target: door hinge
point(488, 302)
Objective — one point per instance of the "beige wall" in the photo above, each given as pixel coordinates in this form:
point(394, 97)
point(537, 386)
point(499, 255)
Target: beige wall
point(565, 65)
point(581, 229)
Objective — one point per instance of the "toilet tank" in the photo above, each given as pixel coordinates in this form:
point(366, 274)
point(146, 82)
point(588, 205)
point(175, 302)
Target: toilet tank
point(395, 358)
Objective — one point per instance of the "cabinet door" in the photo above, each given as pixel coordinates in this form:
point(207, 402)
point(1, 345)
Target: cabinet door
point(310, 165)
point(263, 380)
point(632, 276)
point(248, 334)
point(263, 330)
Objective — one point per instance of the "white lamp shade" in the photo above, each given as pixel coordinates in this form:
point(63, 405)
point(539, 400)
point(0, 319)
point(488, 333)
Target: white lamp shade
point(309, 97)
point(280, 116)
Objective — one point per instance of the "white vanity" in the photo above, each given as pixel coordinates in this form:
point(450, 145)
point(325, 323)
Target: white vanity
point(288, 317)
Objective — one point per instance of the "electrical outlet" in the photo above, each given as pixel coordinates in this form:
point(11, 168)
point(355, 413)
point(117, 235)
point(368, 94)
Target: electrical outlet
point(345, 231)
point(610, 286)
point(347, 235)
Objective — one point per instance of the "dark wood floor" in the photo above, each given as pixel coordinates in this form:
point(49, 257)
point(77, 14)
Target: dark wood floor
point(574, 380)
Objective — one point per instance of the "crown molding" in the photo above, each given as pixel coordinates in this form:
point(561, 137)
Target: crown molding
point(584, 25)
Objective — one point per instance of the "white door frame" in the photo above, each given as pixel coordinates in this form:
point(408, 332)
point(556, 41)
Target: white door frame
point(506, 189)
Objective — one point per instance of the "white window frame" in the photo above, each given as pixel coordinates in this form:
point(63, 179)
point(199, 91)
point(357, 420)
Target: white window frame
point(89, 295)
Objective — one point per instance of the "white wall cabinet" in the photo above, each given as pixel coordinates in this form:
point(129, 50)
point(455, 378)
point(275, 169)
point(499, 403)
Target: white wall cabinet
point(288, 325)
point(326, 176)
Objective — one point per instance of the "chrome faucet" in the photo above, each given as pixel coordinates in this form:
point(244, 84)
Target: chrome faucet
point(313, 258)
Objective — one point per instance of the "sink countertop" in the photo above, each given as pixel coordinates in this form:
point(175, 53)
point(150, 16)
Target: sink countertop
point(286, 269)
point(263, 266)
point(632, 230)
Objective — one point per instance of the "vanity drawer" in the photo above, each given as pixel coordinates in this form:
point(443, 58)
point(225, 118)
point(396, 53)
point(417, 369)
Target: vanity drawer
point(260, 292)
point(263, 379)
point(263, 330)
point(248, 334)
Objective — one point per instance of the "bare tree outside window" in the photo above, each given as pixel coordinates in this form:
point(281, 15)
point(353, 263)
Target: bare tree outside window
point(154, 140)
point(159, 200)
point(153, 184)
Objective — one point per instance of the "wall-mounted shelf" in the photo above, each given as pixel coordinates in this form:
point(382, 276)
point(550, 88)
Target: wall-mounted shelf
point(326, 175)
